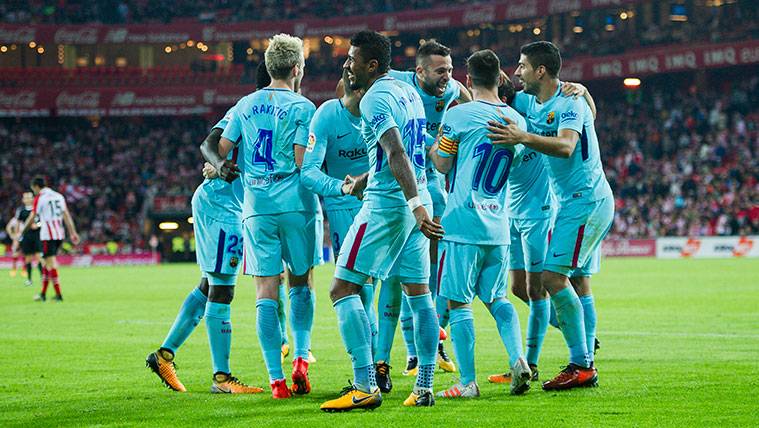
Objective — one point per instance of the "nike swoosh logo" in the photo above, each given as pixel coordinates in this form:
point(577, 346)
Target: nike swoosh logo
point(225, 323)
point(558, 255)
point(344, 135)
point(537, 263)
point(361, 400)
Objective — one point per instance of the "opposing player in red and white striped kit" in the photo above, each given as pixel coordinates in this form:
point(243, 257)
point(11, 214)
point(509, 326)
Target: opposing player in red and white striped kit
point(50, 207)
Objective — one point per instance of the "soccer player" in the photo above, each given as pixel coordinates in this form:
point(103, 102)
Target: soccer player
point(279, 213)
point(389, 236)
point(50, 208)
point(217, 224)
point(335, 156)
point(565, 132)
point(434, 83)
point(475, 249)
point(28, 239)
point(531, 214)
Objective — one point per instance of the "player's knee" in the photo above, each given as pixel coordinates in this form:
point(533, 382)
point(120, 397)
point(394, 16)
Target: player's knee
point(203, 286)
point(553, 282)
point(221, 294)
point(296, 280)
point(535, 288)
point(415, 289)
point(341, 288)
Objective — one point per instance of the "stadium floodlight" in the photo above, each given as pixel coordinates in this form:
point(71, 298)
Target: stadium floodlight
point(631, 82)
point(168, 225)
point(190, 220)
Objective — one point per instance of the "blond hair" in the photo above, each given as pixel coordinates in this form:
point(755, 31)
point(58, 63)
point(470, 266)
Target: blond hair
point(284, 53)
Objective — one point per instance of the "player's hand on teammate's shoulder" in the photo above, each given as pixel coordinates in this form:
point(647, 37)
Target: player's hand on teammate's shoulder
point(572, 89)
point(209, 171)
point(427, 225)
point(227, 170)
point(507, 133)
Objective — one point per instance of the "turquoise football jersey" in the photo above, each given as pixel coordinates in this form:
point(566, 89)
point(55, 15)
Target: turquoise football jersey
point(335, 149)
point(267, 124)
point(434, 107)
point(221, 200)
point(579, 177)
point(390, 103)
point(529, 191)
point(477, 196)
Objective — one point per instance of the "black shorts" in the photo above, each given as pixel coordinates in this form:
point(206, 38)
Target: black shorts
point(50, 248)
point(30, 243)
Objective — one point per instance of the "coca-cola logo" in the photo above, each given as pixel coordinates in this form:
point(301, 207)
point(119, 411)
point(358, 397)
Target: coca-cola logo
point(524, 9)
point(18, 35)
point(24, 99)
point(79, 36)
point(479, 16)
point(87, 99)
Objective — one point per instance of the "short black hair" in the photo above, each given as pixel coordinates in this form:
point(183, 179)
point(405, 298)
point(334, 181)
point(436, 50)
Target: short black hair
point(430, 48)
point(38, 181)
point(374, 46)
point(507, 92)
point(484, 68)
point(262, 76)
point(545, 54)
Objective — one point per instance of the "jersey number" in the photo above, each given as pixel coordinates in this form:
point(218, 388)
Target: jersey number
point(262, 148)
point(55, 209)
point(235, 245)
point(490, 163)
point(413, 132)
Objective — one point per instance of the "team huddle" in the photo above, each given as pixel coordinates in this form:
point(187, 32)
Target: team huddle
point(438, 204)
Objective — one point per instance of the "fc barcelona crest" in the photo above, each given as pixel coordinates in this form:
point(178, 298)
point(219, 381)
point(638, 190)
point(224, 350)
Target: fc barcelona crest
point(234, 261)
point(439, 106)
point(550, 118)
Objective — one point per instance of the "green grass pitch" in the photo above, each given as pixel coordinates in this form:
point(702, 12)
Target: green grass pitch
point(680, 347)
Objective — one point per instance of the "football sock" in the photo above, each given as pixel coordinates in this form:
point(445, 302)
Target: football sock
point(407, 326)
point(462, 336)
point(443, 313)
point(187, 319)
point(28, 267)
point(301, 319)
point(281, 312)
point(537, 325)
point(570, 315)
point(41, 269)
point(45, 281)
point(56, 283)
point(388, 310)
point(433, 284)
point(367, 299)
point(219, 328)
point(589, 315)
point(553, 320)
point(354, 329)
point(507, 322)
point(426, 337)
point(269, 336)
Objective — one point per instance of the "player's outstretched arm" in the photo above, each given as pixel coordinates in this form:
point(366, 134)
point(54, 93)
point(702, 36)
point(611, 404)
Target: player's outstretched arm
point(510, 134)
point(215, 150)
point(464, 95)
point(400, 166)
point(70, 226)
point(579, 90)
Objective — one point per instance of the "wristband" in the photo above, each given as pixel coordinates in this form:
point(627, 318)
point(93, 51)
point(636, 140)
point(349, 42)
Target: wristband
point(414, 203)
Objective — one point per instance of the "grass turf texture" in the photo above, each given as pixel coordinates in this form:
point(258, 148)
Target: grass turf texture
point(680, 347)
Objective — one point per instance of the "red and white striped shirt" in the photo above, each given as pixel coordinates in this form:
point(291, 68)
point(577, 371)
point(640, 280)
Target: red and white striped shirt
point(49, 205)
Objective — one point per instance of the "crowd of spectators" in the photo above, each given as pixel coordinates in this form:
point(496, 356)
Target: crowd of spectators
point(684, 163)
point(106, 171)
point(680, 163)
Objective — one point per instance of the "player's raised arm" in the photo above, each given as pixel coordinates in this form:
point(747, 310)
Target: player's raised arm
point(579, 90)
point(215, 150)
point(562, 146)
